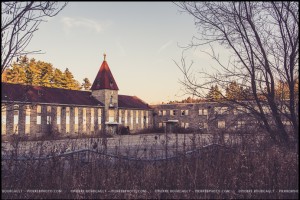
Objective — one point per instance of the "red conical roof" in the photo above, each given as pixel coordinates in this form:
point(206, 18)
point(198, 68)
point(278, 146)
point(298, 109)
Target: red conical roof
point(104, 79)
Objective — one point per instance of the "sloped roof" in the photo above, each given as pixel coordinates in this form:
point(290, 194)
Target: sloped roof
point(104, 79)
point(38, 94)
point(125, 101)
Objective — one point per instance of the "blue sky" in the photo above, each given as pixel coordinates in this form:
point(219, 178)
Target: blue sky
point(140, 39)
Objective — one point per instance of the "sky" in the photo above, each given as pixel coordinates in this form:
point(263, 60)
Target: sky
point(141, 40)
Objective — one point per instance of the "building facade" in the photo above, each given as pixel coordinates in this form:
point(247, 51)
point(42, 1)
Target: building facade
point(211, 117)
point(34, 110)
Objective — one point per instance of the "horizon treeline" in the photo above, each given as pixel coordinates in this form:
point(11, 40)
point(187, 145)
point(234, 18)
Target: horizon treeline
point(39, 73)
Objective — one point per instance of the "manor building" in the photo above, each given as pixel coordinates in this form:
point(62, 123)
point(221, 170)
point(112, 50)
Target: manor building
point(214, 117)
point(36, 110)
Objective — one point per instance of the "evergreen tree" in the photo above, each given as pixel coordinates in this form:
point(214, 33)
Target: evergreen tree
point(70, 82)
point(39, 73)
point(214, 94)
point(234, 91)
point(46, 74)
point(16, 74)
point(58, 80)
point(86, 84)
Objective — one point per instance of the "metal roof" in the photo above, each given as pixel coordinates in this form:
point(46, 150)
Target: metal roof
point(104, 79)
point(38, 94)
point(125, 101)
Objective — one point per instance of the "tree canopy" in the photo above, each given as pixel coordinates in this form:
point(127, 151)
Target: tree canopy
point(32, 72)
point(214, 94)
point(86, 84)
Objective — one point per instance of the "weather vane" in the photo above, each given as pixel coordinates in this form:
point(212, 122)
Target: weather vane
point(104, 56)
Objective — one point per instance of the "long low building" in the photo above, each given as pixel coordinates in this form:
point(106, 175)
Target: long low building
point(36, 110)
point(211, 116)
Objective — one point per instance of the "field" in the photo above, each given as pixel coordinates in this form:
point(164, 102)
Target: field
point(191, 170)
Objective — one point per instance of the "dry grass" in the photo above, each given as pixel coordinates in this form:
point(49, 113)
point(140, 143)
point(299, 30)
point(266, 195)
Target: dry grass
point(217, 168)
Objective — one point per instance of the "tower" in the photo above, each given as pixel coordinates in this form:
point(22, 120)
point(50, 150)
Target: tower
point(105, 89)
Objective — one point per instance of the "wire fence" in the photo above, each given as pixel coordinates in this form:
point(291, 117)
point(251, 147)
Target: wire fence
point(108, 155)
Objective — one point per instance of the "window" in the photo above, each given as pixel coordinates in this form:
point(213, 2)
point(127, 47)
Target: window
point(27, 118)
point(67, 119)
point(3, 119)
point(131, 118)
point(16, 119)
point(58, 113)
point(58, 120)
point(84, 115)
point(239, 110)
point(38, 120)
point(38, 117)
point(202, 111)
point(111, 115)
point(92, 123)
point(160, 112)
point(99, 115)
point(111, 119)
point(221, 124)
point(173, 112)
point(164, 112)
point(67, 115)
point(48, 119)
point(76, 115)
point(160, 124)
point(202, 125)
point(39, 109)
point(92, 116)
point(221, 110)
point(184, 112)
point(48, 109)
point(16, 114)
point(184, 124)
point(137, 117)
point(241, 124)
point(126, 117)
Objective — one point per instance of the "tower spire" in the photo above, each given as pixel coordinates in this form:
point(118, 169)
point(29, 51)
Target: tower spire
point(104, 78)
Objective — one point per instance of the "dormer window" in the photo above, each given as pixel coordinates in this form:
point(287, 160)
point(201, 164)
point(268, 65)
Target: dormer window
point(111, 83)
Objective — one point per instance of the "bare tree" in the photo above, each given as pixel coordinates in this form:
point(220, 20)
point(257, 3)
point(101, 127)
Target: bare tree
point(263, 39)
point(19, 21)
